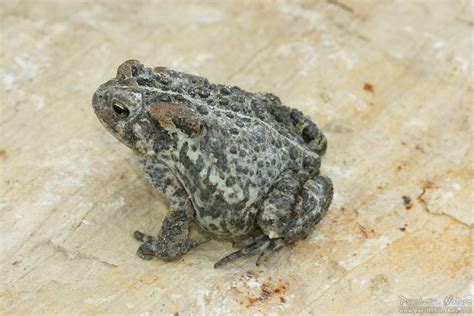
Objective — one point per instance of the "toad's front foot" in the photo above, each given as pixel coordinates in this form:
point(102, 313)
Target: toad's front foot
point(163, 248)
point(138, 235)
point(147, 250)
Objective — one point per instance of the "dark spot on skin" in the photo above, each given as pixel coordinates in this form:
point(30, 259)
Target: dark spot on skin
point(235, 89)
point(293, 165)
point(240, 224)
point(220, 203)
point(311, 163)
point(407, 202)
point(281, 114)
point(273, 98)
point(183, 156)
point(223, 226)
point(293, 152)
point(225, 90)
point(234, 131)
point(214, 142)
point(134, 70)
point(213, 227)
point(165, 98)
point(288, 185)
point(145, 82)
point(230, 115)
point(296, 116)
point(242, 153)
point(241, 169)
point(202, 109)
point(310, 132)
point(163, 79)
point(369, 87)
point(239, 123)
point(225, 133)
point(192, 92)
point(204, 93)
point(230, 181)
point(238, 99)
point(168, 182)
point(233, 149)
point(224, 101)
point(179, 98)
point(206, 195)
point(187, 125)
point(258, 108)
point(199, 165)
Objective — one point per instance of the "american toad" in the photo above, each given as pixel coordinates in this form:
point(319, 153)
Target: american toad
point(241, 165)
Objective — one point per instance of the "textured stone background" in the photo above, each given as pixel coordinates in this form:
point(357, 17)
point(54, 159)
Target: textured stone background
point(390, 83)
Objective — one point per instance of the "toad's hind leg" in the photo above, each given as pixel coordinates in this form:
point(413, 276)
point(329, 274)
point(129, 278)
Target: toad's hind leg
point(311, 204)
point(294, 205)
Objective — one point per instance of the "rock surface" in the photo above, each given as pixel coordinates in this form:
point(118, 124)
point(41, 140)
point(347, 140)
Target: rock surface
point(390, 83)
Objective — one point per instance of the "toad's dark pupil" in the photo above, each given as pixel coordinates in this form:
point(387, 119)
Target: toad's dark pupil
point(121, 110)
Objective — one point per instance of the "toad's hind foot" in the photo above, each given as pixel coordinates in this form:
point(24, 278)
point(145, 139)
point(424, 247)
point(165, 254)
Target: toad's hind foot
point(261, 245)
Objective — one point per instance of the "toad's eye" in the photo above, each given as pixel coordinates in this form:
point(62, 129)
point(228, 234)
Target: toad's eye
point(120, 109)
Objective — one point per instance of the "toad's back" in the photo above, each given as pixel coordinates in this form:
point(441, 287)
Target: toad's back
point(290, 123)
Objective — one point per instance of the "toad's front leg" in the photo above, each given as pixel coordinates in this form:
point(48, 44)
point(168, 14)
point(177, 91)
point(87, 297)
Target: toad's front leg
point(173, 239)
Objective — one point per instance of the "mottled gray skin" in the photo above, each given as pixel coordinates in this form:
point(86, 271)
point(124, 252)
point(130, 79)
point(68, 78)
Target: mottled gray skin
point(239, 164)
